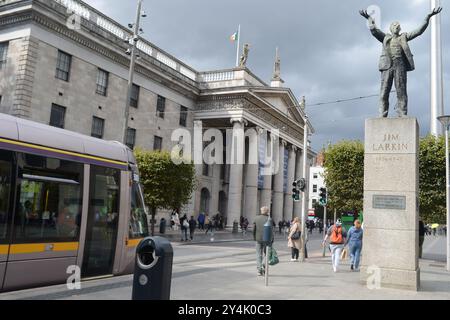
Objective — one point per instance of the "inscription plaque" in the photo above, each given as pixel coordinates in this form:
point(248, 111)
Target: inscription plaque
point(389, 202)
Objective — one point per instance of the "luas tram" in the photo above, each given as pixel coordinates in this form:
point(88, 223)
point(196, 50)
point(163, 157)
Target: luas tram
point(65, 200)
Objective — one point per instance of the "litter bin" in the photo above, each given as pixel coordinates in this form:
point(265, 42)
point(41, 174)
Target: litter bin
point(235, 227)
point(162, 226)
point(153, 269)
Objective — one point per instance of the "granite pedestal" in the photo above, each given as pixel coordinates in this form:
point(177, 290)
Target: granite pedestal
point(391, 209)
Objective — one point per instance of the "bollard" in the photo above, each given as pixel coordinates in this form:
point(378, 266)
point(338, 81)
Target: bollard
point(153, 269)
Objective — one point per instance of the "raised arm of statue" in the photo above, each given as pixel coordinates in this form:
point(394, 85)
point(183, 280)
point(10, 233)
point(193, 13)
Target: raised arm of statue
point(377, 33)
point(414, 34)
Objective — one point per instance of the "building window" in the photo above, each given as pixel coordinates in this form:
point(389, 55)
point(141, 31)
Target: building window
point(157, 143)
point(160, 107)
point(98, 125)
point(3, 54)
point(102, 82)
point(134, 98)
point(314, 188)
point(314, 201)
point(57, 116)
point(205, 170)
point(131, 138)
point(183, 116)
point(315, 176)
point(63, 66)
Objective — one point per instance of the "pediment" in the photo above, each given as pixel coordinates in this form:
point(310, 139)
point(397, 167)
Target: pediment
point(282, 101)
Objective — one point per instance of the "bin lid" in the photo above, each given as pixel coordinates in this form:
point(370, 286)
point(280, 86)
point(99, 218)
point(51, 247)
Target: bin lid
point(161, 246)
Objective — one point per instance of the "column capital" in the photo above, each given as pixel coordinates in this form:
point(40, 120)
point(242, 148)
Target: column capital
point(259, 130)
point(283, 142)
point(239, 120)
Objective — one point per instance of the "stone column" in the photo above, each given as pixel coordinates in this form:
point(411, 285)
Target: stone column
point(266, 192)
point(278, 192)
point(251, 177)
point(237, 157)
point(288, 201)
point(298, 175)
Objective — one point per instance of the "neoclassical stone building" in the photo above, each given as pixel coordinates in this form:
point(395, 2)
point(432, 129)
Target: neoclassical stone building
point(64, 63)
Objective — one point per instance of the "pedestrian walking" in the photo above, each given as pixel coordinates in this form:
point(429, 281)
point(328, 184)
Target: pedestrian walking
point(354, 241)
point(337, 235)
point(184, 226)
point(422, 232)
point(295, 239)
point(201, 221)
point(258, 233)
point(244, 226)
point(192, 226)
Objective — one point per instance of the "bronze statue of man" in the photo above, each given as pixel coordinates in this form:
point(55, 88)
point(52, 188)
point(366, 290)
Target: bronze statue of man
point(395, 61)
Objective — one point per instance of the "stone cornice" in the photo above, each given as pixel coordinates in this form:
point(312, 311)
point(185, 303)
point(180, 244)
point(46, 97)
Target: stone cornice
point(148, 67)
point(242, 102)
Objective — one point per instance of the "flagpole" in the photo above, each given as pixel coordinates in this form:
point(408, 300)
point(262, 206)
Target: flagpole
point(238, 45)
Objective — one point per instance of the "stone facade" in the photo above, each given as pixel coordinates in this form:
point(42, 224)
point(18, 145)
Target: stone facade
point(36, 30)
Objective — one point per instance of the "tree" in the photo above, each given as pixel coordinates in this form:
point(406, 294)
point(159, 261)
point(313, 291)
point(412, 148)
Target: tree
point(432, 195)
point(166, 184)
point(344, 175)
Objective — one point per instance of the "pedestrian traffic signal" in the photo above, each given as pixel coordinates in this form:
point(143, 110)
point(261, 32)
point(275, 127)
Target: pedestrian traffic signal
point(323, 197)
point(296, 194)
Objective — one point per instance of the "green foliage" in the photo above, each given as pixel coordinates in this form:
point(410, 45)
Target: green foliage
point(344, 175)
point(166, 185)
point(432, 180)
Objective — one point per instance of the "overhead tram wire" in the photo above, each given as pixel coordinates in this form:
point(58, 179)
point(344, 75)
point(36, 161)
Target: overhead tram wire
point(296, 107)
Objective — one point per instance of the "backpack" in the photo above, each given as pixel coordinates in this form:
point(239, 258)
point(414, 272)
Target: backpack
point(336, 235)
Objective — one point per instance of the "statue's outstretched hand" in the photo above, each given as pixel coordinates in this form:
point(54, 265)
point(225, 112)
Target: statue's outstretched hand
point(364, 14)
point(435, 12)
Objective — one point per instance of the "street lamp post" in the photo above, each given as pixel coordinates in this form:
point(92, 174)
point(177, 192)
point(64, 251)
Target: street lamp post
point(305, 203)
point(132, 52)
point(445, 120)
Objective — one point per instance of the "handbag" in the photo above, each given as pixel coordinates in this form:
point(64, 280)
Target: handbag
point(185, 224)
point(273, 256)
point(296, 235)
point(344, 254)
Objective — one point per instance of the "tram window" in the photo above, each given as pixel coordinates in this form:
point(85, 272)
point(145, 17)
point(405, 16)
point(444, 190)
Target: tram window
point(138, 218)
point(49, 200)
point(5, 191)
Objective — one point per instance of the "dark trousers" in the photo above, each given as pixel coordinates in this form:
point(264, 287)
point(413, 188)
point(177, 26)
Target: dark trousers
point(396, 74)
point(295, 253)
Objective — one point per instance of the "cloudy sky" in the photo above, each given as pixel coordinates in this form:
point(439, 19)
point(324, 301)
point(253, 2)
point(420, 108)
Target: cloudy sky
point(327, 52)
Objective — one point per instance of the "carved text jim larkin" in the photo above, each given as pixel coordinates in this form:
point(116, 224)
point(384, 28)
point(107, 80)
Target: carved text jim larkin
point(390, 142)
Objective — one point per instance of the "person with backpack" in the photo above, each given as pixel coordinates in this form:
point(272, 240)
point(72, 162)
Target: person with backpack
point(337, 235)
point(258, 235)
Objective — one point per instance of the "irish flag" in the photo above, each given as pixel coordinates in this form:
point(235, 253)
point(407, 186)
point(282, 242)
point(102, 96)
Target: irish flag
point(234, 37)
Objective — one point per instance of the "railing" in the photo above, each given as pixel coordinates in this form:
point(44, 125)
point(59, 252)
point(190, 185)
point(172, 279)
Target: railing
point(216, 76)
point(116, 29)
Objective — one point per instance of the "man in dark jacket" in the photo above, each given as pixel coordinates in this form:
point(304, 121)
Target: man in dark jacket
point(258, 233)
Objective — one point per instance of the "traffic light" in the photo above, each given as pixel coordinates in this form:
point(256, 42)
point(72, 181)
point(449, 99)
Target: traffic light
point(299, 186)
point(323, 197)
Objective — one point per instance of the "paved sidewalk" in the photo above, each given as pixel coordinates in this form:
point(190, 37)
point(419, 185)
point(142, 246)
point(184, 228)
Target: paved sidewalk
point(233, 277)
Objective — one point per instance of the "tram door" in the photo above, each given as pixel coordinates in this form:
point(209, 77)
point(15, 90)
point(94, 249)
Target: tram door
point(5, 202)
point(102, 224)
